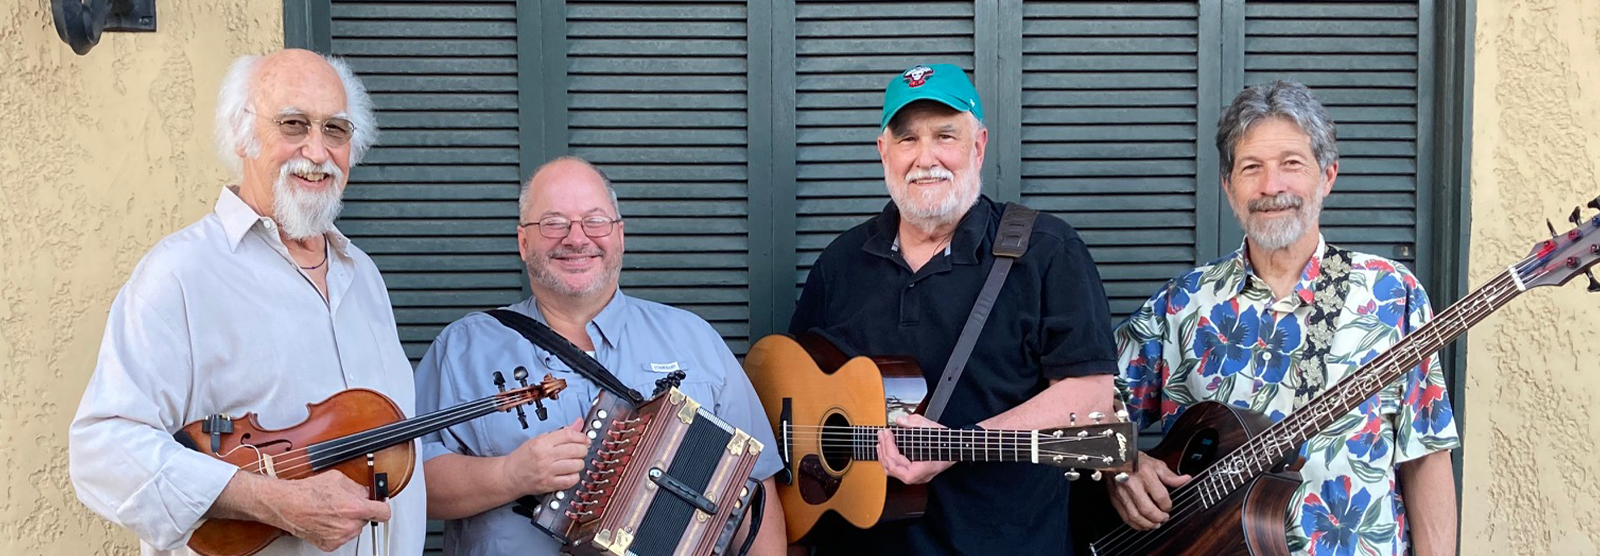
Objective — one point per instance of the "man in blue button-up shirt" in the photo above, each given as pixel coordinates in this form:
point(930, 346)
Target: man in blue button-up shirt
point(571, 237)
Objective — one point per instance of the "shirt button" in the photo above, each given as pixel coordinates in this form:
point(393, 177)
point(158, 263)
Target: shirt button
point(1266, 356)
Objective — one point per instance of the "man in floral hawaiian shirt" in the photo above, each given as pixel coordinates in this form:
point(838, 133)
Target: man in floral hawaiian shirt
point(1234, 331)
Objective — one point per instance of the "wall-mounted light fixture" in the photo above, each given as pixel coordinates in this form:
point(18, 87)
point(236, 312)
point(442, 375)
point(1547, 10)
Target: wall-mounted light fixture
point(80, 22)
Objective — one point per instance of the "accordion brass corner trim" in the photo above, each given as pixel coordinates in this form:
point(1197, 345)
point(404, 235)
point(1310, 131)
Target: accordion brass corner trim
point(755, 446)
point(736, 445)
point(690, 407)
point(615, 543)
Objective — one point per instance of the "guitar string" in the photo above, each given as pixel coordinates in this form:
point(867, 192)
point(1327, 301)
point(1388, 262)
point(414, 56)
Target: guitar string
point(301, 461)
point(1124, 534)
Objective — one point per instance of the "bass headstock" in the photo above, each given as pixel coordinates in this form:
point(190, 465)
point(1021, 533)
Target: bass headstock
point(1097, 447)
point(1561, 258)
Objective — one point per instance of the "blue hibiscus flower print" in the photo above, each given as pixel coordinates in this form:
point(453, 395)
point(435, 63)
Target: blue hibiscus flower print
point(1224, 339)
point(1279, 337)
point(1332, 516)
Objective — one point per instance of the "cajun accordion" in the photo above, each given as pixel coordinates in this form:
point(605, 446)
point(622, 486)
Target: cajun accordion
point(665, 479)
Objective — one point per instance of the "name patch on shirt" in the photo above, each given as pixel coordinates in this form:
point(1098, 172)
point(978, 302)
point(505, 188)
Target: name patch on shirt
point(663, 367)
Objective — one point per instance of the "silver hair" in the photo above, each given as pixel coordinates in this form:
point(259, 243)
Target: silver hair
point(1287, 100)
point(525, 196)
point(236, 129)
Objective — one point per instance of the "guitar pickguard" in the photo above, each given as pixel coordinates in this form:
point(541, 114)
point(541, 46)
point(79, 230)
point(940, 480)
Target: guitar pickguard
point(817, 486)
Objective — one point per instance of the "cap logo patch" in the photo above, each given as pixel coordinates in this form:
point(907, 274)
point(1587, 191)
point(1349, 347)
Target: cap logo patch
point(916, 76)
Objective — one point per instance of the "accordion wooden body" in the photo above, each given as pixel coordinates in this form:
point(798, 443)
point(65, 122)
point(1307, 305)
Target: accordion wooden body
point(665, 479)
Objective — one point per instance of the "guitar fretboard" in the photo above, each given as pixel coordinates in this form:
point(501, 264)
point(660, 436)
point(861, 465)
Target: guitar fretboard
point(934, 444)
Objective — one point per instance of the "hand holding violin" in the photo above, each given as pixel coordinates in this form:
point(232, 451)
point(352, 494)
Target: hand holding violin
point(326, 510)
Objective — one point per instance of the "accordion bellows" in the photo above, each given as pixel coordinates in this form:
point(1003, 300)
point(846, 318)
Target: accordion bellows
point(667, 479)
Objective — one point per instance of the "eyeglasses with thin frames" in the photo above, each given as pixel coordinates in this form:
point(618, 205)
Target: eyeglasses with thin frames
point(556, 227)
point(336, 132)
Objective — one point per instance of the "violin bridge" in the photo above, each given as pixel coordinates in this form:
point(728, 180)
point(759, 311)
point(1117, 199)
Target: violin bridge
point(266, 466)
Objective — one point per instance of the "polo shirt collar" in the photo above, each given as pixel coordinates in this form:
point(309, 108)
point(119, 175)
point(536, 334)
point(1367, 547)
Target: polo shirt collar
point(884, 240)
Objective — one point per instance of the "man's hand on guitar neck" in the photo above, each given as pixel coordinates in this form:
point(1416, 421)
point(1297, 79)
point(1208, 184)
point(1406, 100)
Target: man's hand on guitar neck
point(901, 467)
point(1143, 502)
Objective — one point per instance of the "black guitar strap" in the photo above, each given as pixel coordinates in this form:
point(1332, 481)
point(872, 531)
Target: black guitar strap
point(1016, 225)
point(540, 335)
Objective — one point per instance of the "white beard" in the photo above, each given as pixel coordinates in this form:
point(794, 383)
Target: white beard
point(304, 213)
point(928, 209)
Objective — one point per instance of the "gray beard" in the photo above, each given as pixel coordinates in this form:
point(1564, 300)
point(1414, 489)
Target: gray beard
point(1280, 233)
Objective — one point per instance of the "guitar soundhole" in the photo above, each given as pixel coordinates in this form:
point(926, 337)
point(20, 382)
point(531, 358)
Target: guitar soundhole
point(837, 442)
point(1200, 452)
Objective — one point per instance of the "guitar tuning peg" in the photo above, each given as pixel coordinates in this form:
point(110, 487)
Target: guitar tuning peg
point(1120, 477)
point(500, 381)
point(1594, 285)
point(1096, 416)
point(1072, 419)
point(1096, 476)
point(1577, 216)
point(1122, 415)
point(1073, 475)
point(1552, 228)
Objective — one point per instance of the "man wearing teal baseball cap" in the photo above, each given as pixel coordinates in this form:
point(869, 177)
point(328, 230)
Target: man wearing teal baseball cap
point(1044, 354)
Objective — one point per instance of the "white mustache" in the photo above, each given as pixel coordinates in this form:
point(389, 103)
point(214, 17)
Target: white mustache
point(934, 173)
point(302, 165)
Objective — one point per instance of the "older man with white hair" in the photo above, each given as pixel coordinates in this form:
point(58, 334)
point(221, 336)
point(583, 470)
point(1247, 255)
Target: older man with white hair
point(260, 307)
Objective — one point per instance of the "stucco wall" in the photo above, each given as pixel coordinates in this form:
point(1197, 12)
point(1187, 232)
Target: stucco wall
point(101, 155)
point(1532, 480)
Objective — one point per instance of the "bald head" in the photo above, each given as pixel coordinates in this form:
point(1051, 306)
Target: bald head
point(565, 173)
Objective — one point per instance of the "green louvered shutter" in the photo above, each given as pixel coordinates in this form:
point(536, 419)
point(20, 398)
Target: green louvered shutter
point(656, 95)
point(844, 55)
point(435, 202)
point(1362, 62)
point(1110, 95)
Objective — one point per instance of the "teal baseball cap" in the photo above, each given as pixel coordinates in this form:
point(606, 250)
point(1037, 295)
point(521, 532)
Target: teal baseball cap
point(945, 83)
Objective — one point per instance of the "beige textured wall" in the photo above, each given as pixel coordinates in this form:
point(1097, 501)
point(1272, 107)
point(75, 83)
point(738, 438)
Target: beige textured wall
point(1532, 480)
point(100, 156)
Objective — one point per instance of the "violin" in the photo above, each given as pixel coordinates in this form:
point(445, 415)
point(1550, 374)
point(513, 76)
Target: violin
point(358, 432)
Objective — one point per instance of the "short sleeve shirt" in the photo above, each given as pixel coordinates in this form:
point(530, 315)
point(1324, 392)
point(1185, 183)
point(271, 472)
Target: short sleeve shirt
point(639, 341)
point(1050, 321)
point(1216, 333)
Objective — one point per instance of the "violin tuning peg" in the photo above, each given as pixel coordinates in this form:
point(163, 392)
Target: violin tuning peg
point(1594, 204)
point(1594, 285)
point(1552, 228)
point(539, 410)
point(500, 381)
point(1576, 217)
point(521, 374)
point(1072, 475)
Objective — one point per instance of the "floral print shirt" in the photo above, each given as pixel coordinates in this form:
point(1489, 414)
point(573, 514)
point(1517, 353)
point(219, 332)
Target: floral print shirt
point(1217, 334)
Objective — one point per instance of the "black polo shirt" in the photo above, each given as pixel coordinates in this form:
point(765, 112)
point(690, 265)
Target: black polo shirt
point(1050, 321)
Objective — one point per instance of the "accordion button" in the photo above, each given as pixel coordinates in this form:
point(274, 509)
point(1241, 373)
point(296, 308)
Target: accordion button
point(596, 424)
point(601, 414)
point(592, 435)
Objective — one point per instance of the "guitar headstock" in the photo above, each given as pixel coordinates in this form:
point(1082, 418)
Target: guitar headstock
point(1098, 446)
point(1561, 258)
point(535, 394)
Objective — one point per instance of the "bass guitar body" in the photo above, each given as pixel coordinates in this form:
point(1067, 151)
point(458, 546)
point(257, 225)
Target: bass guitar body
point(1248, 520)
point(814, 385)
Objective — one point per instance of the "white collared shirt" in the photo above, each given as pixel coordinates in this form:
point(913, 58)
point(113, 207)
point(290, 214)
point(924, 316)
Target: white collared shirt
point(217, 318)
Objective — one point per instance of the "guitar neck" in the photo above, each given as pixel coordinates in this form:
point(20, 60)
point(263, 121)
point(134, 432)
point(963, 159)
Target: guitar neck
point(332, 452)
point(934, 444)
point(1272, 445)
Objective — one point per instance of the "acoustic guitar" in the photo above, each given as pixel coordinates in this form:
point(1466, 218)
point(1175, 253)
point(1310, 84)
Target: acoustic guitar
point(1243, 467)
point(826, 411)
